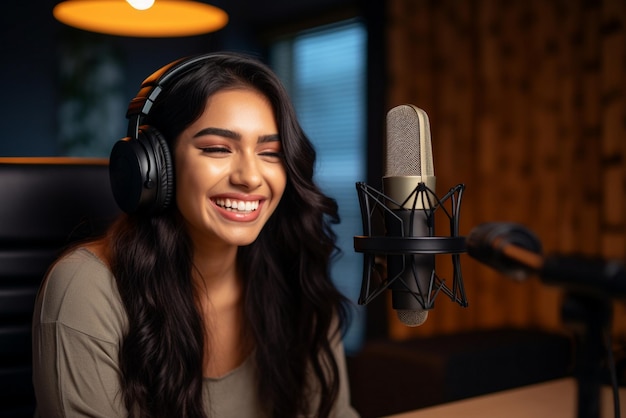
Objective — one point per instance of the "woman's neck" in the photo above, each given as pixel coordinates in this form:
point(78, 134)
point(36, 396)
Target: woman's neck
point(218, 283)
point(215, 267)
point(220, 297)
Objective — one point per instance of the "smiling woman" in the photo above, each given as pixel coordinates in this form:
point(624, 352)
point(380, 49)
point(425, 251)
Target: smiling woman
point(211, 295)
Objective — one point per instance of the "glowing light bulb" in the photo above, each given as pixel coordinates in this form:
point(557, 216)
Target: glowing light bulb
point(141, 4)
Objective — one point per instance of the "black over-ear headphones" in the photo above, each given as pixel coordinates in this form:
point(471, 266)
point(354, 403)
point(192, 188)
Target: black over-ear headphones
point(140, 166)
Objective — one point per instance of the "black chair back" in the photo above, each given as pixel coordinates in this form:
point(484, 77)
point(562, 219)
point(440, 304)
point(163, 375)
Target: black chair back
point(45, 205)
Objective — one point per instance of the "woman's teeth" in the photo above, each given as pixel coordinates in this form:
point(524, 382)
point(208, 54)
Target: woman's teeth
point(237, 205)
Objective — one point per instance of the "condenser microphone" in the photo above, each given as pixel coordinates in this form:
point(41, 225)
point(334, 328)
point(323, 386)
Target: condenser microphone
point(408, 161)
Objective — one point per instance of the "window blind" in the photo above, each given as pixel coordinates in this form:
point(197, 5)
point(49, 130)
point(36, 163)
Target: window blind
point(325, 72)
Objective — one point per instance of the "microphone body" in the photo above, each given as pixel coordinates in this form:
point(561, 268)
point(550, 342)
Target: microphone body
point(412, 273)
point(408, 162)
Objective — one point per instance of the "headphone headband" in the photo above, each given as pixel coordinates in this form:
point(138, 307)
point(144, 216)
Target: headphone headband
point(151, 87)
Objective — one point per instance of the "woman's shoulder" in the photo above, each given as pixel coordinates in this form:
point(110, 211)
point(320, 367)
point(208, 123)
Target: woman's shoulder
point(80, 292)
point(79, 269)
point(86, 256)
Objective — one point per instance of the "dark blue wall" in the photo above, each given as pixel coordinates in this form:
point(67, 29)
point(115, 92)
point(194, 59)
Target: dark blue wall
point(30, 51)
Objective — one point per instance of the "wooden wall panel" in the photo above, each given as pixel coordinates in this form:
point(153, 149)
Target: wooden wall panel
point(528, 109)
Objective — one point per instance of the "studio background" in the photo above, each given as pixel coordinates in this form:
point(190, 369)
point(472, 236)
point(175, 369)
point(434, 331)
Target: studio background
point(526, 101)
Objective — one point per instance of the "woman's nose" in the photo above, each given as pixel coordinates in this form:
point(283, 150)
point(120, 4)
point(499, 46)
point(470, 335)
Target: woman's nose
point(246, 171)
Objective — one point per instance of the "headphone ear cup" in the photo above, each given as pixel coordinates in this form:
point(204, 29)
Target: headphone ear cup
point(163, 167)
point(141, 173)
point(127, 165)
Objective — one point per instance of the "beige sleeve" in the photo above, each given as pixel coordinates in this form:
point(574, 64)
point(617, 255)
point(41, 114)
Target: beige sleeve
point(77, 328)
point(75, 375)
point(343, 407)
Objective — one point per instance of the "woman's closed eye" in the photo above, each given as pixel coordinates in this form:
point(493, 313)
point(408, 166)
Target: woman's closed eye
point(272, 154)
point(215, 150)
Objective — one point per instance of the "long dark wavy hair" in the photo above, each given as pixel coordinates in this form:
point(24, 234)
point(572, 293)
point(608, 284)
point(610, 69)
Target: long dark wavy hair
point(290, 303)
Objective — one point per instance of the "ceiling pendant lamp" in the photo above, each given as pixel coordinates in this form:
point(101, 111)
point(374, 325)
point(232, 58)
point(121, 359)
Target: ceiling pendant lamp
point(141, 18)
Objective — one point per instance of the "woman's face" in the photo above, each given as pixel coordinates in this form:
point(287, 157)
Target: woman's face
point(229, 169)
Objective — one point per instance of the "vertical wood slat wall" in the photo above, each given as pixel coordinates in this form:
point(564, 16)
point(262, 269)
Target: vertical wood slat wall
point(527, 103)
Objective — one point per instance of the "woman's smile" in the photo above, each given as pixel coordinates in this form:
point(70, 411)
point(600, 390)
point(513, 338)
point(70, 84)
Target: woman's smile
point(237, 205)
point(236, 209)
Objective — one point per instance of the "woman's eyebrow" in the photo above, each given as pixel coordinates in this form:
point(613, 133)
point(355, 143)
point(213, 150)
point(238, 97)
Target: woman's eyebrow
point(218, 132)
point(226, 133)
point(269, 138)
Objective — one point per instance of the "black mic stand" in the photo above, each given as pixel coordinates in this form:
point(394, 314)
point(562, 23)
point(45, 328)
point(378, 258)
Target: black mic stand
point(587, 308)
point(590, 285)
point(588, 311)
point(589, 318)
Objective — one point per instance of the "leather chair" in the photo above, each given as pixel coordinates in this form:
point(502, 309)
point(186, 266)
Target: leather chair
point(46, 204)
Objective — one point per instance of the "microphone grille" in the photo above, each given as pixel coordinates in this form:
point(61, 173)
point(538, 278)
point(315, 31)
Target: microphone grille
point(408, 151)
point(412, 318)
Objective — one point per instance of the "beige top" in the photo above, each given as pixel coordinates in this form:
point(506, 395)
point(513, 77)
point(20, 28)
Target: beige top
point(78, 325)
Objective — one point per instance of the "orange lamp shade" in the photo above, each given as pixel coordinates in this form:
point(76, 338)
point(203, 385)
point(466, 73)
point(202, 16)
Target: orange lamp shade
point(166, 18)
